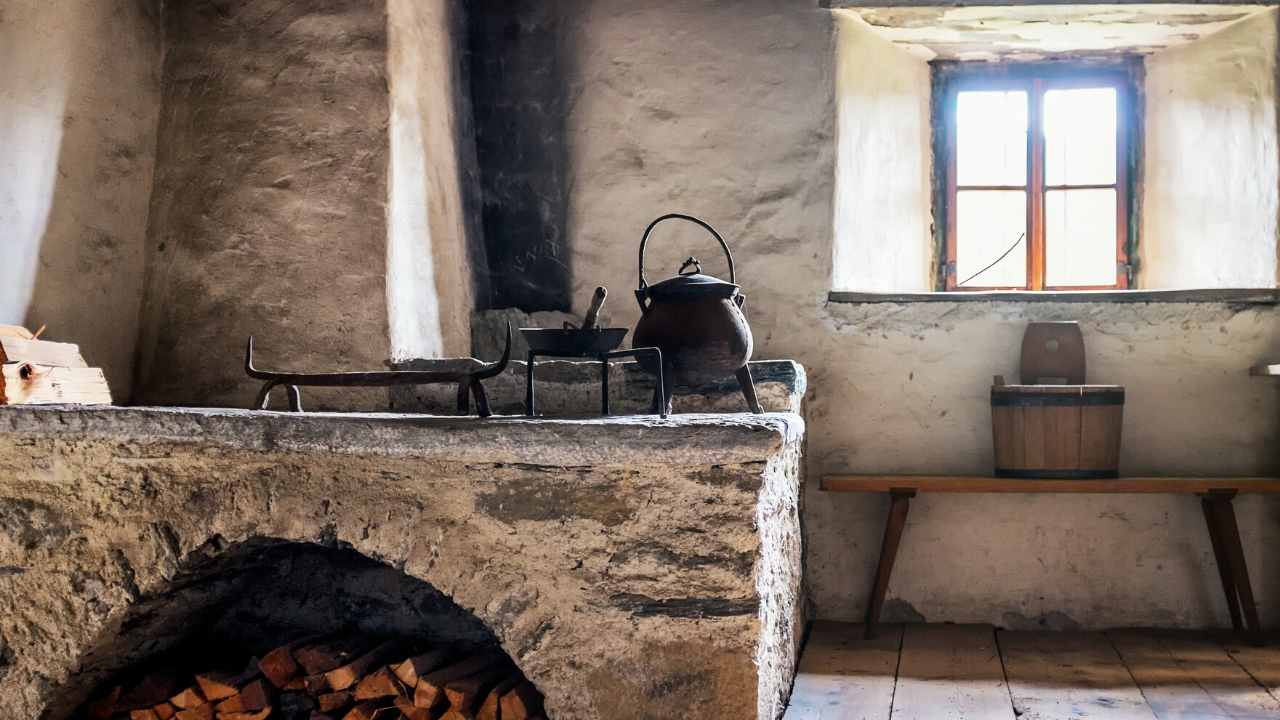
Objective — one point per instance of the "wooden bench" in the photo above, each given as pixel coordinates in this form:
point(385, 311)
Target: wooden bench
point(1215, 494)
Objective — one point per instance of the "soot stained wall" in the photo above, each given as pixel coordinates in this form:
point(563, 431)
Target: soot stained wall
point(519, 65)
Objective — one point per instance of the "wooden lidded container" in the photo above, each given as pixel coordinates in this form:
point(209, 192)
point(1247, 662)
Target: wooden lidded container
point(1055, 425)
point(1057, 431)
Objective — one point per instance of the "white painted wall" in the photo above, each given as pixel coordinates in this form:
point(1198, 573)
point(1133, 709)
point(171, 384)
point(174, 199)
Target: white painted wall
point(429, 295)
point(1212, 178)
point(79, 100)
point(727, 110)
point(882, 192)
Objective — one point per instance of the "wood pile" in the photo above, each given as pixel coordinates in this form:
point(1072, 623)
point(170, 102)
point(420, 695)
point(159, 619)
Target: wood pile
point(328, 679)
point(39, 372)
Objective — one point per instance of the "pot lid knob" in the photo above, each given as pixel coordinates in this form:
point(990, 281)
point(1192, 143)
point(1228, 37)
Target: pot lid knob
point(697, 266)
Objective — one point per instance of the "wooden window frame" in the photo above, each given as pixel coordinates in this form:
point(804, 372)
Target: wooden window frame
point(1035, 79)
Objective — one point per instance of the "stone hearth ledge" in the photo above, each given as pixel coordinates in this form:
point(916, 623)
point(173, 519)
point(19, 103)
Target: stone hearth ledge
point(634, 567)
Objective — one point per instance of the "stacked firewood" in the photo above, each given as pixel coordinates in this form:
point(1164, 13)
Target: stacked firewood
point(39, 372)
point(325, 679)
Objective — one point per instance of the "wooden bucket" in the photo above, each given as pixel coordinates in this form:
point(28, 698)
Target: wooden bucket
point(1057, 431)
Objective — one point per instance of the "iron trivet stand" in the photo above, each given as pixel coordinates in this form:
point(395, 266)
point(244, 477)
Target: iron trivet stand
point(659, 407)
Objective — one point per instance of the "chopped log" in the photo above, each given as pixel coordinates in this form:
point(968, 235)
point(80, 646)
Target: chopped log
point(104, 707)
point(379, 684)
point(187, 699)
point(40, 352)
point(415, 667)
point(152, 690)
point(253, 697)
point(217, 686)
point(204, 712)
point(31, 384)
point(317, 658)
point(334, 700)
point(489, 709)
point(522, 702)
point(164, 711)
point(466, 694)
point(262, 714)
point(293, 704)
point(297, 684)
point(364, 711)
point(316, 684)
point(409, 711)
point(454, 714)
point(279, 666)
point(344, 677)
point(147, 714)
point(320, 716)
point(430, 689)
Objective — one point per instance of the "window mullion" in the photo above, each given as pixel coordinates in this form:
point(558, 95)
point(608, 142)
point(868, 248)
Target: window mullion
point(1035, 187)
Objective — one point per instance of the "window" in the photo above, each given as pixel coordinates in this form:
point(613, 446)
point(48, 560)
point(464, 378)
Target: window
point(1037, 171)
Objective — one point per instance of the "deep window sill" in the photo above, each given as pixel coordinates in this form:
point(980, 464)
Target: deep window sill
point(1244, 296)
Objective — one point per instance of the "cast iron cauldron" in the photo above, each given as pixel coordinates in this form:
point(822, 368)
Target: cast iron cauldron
point(697, 322)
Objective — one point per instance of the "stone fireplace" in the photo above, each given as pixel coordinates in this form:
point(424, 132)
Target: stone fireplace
point(631, 567)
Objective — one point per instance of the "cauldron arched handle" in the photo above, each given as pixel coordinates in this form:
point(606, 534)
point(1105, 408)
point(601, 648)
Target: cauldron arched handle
point(642, 294)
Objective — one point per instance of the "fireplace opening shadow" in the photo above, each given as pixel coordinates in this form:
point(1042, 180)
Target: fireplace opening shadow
point(233, 603)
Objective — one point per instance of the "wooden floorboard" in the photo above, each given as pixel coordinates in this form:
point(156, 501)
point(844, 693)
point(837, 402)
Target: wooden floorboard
point(843, 676)
point(1189, 676)
point(1054, 675)
point(1262, 663)
point(950, 671)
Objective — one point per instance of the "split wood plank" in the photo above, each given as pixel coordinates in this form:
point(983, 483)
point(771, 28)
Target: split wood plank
point(1186, 675)
point(41, 352)
point(842, 675)
point(950, 671)
point(31, 384)
point(1054, 676)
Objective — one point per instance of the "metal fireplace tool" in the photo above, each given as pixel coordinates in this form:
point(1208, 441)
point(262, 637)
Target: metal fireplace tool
point(468, 381)
point(589, 342)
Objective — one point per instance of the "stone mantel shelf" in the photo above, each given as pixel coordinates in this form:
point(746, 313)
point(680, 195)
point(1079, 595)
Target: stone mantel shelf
point(681, 439)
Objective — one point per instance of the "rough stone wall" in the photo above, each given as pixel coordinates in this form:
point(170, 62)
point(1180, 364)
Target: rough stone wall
point(630, 567)
point(726, 110)
point(268, 215)
point(429, 268)
point(1212, 161)
point(80, 93)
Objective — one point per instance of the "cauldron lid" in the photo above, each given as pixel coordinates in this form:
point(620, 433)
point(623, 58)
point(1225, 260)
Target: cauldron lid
point(693, 285)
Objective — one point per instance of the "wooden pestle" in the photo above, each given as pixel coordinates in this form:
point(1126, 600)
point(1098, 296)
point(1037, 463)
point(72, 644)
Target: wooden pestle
point(593, 313)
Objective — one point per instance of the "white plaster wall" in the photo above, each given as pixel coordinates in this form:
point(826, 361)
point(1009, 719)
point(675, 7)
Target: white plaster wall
point(79, 100)
point(727, 110)
point(1212, 175)
point(882, 193)
point(429, 295)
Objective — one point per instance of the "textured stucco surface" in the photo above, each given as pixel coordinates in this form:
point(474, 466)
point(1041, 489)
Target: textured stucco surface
point(882, 225)
point(269, 210)
point(633, 568)
point(79, 101)
point(727, 110)
point(429, 293)
point(1212, 161)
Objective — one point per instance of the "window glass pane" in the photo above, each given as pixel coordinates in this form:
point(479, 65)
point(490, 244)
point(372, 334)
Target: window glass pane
point(987, 224)
point(1080, 237)
point(991, 138)
point(1080, 136)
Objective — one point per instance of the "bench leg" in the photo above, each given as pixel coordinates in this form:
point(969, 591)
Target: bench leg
point(1236, 583)
point(1224, 565)
point(899, 504)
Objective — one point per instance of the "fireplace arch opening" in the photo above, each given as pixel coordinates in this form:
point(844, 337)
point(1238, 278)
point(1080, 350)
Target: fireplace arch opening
point(284, 630)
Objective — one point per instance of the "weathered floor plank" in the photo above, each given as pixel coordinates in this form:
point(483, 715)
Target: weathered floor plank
point(843, 676)
point(1187, 676)
point(1262, 663)
point(950, 671)
point(1053, 676)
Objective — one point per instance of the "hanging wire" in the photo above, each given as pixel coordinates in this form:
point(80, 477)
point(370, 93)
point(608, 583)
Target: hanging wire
point(997, 260)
